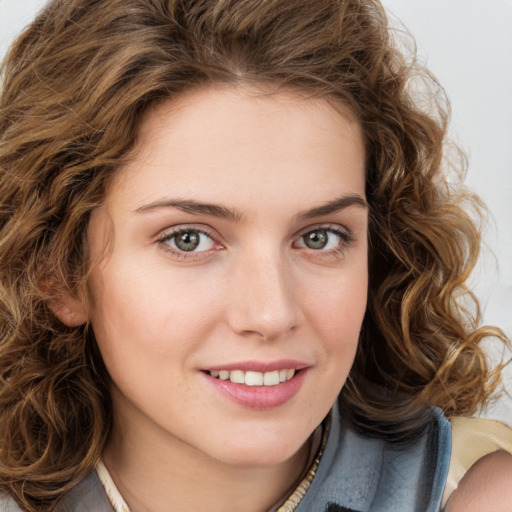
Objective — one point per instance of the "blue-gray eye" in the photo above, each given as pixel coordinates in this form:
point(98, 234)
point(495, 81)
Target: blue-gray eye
point(316, 239)
point(319, 239)
point(190, 240)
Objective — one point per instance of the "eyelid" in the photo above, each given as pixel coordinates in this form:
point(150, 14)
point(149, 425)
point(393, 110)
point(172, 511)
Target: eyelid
point(174, 230)
point(343, 231)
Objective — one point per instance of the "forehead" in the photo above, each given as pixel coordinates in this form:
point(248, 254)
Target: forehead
point(218, 141)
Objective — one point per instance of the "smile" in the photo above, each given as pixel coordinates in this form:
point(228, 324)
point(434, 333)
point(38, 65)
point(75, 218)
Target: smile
point(252, 378)
point(259, 390)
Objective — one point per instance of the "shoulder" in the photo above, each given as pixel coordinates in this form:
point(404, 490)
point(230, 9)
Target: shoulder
point(480, 466)
point(87, 496)
point(486, 486)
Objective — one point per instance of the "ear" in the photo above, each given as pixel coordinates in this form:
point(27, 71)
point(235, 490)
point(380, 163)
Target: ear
point(67, 306)
point(69, 310)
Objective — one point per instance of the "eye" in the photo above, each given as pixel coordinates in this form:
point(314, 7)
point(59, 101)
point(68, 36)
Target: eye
point(189, 240)
point(325, 239)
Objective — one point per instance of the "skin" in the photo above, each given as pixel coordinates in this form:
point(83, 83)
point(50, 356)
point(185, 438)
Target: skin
point(486, 486)
point(252, 291)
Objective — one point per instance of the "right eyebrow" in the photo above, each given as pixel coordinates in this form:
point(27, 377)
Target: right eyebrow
point(338, 204)
point(195, 208)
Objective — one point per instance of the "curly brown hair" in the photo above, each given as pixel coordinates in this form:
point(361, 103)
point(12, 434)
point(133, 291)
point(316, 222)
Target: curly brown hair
point(76, 85)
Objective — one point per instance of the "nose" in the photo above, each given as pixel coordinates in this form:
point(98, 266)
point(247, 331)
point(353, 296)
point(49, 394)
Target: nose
point(263, 298)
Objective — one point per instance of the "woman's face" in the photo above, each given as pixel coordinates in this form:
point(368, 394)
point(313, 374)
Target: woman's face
point(229, 310)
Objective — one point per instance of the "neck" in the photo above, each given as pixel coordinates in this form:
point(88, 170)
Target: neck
point(153, 470)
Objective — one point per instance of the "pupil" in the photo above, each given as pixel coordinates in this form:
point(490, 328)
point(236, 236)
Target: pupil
point(187, 241)
point(316, 239)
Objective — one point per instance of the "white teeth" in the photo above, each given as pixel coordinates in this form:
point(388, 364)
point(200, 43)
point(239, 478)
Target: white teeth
point(271, 378)
point(237, 376)
point(251, 378)
point(254, 378)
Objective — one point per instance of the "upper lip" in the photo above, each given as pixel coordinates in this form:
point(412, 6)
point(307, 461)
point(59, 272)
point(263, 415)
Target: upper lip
point(260, 366)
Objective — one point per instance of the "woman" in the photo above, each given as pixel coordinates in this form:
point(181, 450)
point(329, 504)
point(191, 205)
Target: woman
point(230, 265)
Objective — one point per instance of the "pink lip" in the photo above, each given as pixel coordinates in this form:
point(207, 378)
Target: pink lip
point(258, 397)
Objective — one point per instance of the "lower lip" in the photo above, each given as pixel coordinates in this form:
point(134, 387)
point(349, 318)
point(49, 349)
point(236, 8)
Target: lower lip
point(259, 397)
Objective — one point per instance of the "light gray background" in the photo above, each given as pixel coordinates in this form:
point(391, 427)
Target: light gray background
point(468, 46)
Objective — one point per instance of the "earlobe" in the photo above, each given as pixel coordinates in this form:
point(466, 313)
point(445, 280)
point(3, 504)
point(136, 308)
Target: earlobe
point(69, 308)
point(70, 311)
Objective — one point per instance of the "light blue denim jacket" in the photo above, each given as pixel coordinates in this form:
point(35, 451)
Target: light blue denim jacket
point(355, 474)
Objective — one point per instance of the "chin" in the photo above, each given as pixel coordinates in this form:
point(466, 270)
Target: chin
point(257, 458)
point(259, 451)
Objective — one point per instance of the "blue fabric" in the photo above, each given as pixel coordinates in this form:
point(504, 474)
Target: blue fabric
point(355, 474)
point(369, 475)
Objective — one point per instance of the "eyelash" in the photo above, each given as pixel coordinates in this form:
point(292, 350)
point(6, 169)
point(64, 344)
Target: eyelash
point(346, 240)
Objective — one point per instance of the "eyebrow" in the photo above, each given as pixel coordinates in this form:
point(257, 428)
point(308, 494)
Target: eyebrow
point(341, 203)
point(231, 214)
point(195, 208)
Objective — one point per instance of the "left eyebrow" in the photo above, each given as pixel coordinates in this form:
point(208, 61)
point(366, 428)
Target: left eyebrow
point(195, 208)
point(341, 203)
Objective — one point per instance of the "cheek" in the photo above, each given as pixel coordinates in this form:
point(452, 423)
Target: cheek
point(153, 310)
point(339, 306)
point(337, 315)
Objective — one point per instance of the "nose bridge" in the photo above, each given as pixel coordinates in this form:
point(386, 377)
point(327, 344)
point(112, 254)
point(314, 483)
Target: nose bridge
point(264, 299)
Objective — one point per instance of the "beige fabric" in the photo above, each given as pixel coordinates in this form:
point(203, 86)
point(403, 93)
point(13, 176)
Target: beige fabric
point(118, 504)
point(472, 439)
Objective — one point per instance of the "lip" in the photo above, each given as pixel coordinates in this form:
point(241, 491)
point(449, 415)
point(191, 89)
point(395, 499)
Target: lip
point(258, 397)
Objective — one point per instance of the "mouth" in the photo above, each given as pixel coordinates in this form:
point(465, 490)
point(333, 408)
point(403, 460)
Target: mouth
point(258, 385)
point(253, 378)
